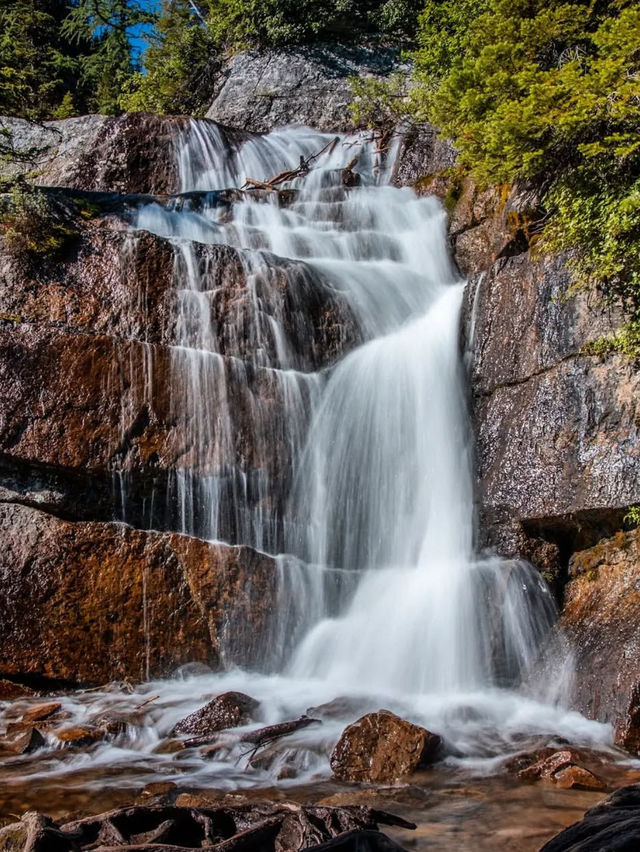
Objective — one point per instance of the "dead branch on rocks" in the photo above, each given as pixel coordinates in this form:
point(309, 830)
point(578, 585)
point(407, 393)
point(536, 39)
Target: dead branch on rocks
point(268, 735)
point(291, 174)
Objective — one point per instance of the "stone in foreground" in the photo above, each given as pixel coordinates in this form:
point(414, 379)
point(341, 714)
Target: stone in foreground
point(229, 710)
point(381, 747)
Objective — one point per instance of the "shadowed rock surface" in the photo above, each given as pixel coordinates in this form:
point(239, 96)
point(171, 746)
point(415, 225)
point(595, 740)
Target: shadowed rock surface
point(282, 827)
point(613, 825)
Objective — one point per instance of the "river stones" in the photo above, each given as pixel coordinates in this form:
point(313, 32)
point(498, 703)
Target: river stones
point(381, 747)
point(228, 710)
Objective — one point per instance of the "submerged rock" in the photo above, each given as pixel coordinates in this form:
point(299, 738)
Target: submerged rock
point(383, 748)
point(229, 710)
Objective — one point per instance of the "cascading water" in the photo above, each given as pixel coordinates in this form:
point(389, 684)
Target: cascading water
point(328, 423)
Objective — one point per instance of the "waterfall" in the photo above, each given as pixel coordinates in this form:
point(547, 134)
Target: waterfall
point(373, 497)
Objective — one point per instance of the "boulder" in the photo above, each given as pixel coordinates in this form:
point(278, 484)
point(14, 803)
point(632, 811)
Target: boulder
point(381, 747)
point(307, 84)
point(600, 619)
point(614, 825)
point(93, 602)
point(9, 690)
point(229, 710)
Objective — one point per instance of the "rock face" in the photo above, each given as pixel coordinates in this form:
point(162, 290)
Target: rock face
point(558, 457)
point(600, 617)
point(381, 747)
point(301, 85)
point(130, 153)
point(90, 602)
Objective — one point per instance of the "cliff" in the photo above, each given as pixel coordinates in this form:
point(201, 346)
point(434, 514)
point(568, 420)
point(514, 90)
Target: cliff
point(556, 428)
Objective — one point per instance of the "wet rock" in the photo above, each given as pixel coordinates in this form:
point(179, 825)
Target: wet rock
point(9, 691)
point(229, 710)
point(340, 708)
point(627, 732)
point(600, 620)
point(359, 841)
point(41, 712)
point(383, 748)
point(27, 742)
point(261, 90)
point(80, 736)
point(574, 777)
point(64, 581)
point(614, 825)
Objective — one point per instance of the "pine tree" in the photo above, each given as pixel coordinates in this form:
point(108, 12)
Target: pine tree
point(39, 66)
point(109, 25)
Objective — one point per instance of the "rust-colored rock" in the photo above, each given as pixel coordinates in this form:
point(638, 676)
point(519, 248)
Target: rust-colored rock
point(574, 777)
point(600, 618)
point(41, 712)
point(93, 602)
point(382, 747)
point(228, 710)
point(10, 690)
point(80, 736)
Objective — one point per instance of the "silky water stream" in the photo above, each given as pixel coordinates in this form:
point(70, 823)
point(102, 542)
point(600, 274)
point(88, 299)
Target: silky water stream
point(362, 485)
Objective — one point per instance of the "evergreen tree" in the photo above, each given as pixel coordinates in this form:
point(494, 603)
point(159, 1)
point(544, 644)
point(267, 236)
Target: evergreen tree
point(109, 25)
point(179, 64)
point(40, 69)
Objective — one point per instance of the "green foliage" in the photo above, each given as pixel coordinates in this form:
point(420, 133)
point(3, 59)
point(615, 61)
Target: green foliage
point(277, 23)
point(30, 226)
point(39, 65)
point(378, 103)
point(547, 91)
point(179, 64)
point(108, 26)
point(632, 518)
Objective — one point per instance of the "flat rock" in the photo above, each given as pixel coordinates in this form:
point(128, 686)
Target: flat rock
point(80, 735)
point(41, 712)
point(381, 747)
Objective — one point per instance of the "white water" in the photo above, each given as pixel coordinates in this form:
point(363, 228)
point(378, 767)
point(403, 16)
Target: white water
point(362, 476)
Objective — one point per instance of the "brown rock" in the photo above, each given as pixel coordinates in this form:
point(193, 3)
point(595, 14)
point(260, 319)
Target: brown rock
point(600, 619)
point(573, 777)
point(547, 766)
point(9, 691)
point(74, 599)
point(80, 736)
point(627, 732)
point(382, 747)
point(229, 710)
point(26, 742)
point(41, 711)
